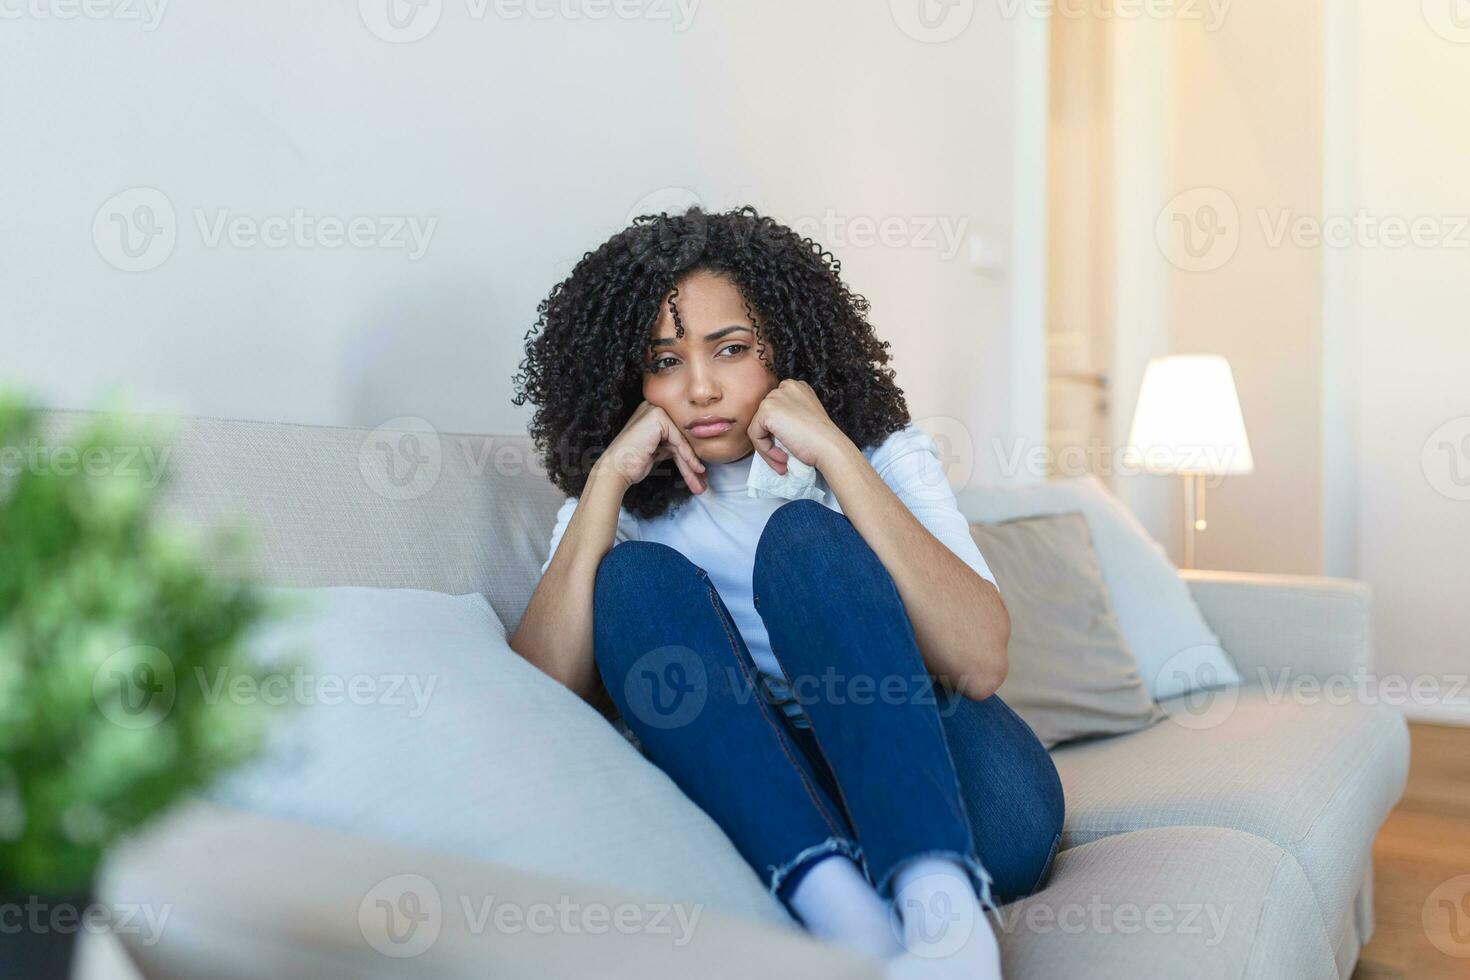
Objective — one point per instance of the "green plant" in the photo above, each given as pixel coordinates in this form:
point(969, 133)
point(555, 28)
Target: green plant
point(112, 633)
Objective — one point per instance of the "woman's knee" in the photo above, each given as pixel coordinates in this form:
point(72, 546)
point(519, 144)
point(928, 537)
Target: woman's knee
point(631, 578)
point(653, 608)
point(796, 520)
point(790, 527)
point(629, 564)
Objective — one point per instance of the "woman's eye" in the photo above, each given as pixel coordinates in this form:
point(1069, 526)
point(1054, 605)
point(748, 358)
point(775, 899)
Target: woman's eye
point(730, 349)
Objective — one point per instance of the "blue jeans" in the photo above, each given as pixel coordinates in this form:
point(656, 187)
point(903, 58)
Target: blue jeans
point(890, 764)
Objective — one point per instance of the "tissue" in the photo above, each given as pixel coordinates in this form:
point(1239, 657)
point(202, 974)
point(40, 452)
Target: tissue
point(799, 482)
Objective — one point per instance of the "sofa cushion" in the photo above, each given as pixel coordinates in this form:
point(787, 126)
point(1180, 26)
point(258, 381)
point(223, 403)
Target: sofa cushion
point(399, 506)
point(1200, 902)
point(1071, 673)
point(1176, 649)
point(434, 734)
point(1316, 779)
point(239, 896)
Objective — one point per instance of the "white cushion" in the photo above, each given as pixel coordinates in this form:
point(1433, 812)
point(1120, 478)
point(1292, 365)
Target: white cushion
point(1176, 649)
point(454, 743)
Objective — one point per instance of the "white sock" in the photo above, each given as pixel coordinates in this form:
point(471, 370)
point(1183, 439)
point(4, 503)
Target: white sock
point(939, 919)
point(838, 904)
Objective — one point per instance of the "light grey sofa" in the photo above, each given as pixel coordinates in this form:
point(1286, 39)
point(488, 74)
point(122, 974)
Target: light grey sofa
point(1241, 848)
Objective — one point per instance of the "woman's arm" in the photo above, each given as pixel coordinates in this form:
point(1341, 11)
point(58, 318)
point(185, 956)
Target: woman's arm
point(960, 623)
point(555, 633)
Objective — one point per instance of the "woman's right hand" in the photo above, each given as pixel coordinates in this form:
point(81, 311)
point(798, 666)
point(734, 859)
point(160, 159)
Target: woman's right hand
point(649, 437)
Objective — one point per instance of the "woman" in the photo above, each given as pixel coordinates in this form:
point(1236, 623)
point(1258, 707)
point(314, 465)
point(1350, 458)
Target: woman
point(817, 674)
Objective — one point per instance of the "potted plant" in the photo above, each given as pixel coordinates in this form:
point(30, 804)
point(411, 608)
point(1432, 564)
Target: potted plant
point(109, 622)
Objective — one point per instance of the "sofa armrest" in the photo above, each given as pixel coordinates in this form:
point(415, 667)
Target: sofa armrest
point(1291, 625)
point(242, 895)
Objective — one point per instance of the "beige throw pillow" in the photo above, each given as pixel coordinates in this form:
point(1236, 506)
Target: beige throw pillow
point(1071, 673)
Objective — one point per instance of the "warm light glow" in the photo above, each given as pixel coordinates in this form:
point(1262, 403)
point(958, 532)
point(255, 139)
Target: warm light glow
point(1188, 418)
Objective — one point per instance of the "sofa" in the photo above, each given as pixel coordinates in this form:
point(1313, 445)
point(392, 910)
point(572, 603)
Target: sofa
point(1237, 849)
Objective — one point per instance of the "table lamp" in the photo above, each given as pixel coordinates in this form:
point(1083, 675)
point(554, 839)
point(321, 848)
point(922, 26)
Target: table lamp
point(1188, 423)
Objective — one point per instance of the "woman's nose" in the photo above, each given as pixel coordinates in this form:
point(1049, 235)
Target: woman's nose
point(702, 384)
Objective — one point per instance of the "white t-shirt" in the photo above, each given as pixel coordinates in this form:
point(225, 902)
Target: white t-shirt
point(718, 530)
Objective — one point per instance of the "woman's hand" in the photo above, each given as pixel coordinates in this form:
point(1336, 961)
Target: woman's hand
point(649, 437)
point(792, 413)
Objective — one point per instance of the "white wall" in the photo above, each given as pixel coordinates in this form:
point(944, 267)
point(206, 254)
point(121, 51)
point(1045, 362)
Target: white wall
point(1412, 358)
point(1247, 130)
point(527, 141)
point(1218, 118)
point(1342, 122)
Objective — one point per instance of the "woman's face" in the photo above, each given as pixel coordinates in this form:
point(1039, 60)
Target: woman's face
point(712, 370)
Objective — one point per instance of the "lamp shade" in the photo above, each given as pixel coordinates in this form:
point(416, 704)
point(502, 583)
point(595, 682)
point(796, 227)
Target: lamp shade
point(1188, 418)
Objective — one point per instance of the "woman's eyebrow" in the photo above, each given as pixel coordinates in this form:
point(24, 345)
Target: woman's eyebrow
point(722, 332)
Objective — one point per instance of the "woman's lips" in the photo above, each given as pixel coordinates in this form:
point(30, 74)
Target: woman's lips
point(709, 429)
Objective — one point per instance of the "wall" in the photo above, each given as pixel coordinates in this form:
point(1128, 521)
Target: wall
point(1247, 141)
point(526, 140)
point(1411, 356)
point(1217, 133)
point(1323, 133)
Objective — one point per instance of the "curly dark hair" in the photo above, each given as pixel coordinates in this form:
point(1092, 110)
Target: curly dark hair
point(585, 357)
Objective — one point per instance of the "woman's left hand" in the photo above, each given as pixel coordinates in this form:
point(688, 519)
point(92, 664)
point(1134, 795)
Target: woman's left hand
point(792, 413)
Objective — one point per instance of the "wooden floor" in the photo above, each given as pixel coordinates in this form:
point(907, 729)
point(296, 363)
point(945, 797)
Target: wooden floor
point(1422, 848)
